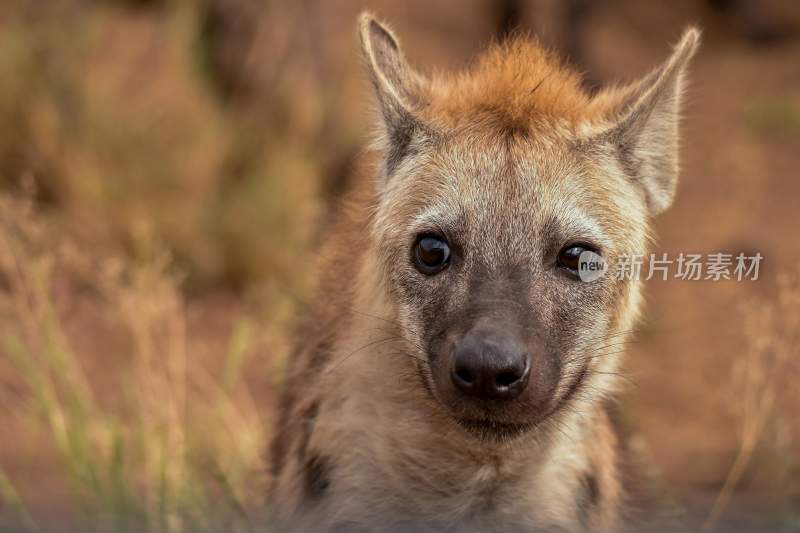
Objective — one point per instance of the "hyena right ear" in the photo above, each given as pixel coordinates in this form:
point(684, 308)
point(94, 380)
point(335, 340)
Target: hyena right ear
point(399, 89)
point(644, 130)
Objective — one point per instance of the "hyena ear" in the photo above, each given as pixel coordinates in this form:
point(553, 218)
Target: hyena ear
point(644, 131)
point(399, 89)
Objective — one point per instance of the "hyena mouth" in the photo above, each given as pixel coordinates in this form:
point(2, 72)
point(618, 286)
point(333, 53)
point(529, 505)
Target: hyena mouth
point(492, 430)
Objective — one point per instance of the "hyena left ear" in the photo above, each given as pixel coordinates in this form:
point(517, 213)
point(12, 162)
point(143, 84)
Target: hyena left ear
point(645, 118)
point(398, 87)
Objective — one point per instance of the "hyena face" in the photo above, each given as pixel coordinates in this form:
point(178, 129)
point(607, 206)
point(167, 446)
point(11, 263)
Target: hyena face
point(493, 185)
point(482, 260)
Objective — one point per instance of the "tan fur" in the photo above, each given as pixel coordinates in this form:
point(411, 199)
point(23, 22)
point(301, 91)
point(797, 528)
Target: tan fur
point(513, 158)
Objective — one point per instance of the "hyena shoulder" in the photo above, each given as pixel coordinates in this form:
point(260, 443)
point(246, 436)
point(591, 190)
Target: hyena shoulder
point(321, 322)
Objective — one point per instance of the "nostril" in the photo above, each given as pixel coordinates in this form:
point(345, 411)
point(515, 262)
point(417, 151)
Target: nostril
point(506, 379)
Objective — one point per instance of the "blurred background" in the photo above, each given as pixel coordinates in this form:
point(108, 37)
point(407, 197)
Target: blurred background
point(167, 169)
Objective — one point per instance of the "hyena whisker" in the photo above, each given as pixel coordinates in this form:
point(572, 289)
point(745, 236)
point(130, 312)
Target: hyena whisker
point(590, 354)
point(609, 336)
point(583, 370)
point(409, 341)
point(600, 349)
point(588, 373)
point(627, 379)
point(376, 317)
point(605, 351)
point(601, 355)
point(364, 347)
point(412, 342)
point(410, 356)
point(595, 344)
point(554, 423)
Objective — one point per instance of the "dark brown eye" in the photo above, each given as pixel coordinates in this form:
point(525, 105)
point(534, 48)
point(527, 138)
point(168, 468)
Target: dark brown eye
point(431, 254)
point(569, 257)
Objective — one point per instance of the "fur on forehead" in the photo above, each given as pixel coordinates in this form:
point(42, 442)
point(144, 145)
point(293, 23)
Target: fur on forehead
point(516, 86)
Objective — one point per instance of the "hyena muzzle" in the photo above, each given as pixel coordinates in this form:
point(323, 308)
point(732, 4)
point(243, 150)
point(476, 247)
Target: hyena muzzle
point(456, 371)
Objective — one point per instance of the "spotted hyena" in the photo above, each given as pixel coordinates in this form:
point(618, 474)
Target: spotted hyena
point(455, 372)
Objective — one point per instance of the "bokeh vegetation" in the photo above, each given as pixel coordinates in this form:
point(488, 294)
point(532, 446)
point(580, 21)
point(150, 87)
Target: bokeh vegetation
point(167, 168)
point(207, 130)
point(149, 155)
point(176, 448)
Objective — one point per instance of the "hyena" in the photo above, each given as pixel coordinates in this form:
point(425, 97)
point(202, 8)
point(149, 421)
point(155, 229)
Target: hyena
point(455, 373)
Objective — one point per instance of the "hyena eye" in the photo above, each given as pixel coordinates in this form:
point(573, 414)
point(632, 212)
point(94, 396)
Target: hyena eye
point(431, 254)
point(569, 256)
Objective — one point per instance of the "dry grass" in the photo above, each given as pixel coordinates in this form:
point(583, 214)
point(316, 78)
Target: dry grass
point(176, 448)
point(172, 155)
point(761, 384)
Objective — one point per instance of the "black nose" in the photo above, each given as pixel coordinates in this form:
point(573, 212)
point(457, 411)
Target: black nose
point(490, 366)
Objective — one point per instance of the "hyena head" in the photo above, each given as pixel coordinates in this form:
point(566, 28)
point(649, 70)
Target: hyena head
point(494, 183)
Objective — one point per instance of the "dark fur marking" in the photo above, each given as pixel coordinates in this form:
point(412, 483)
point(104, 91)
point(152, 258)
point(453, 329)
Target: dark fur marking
point(589, 497)
point(592, 488)
point(613, 412)
point(321, 353)
point(289, 426)
point(283, 433)
point(400, 132)
point(286, 428)
point(279, 445)
point(407, 136)
point(307, 420)
point(316, 475)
